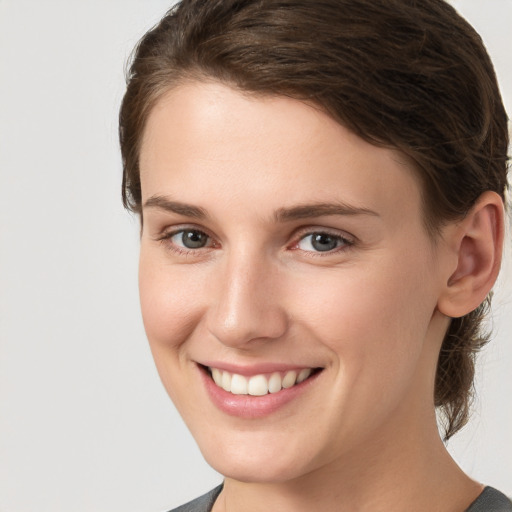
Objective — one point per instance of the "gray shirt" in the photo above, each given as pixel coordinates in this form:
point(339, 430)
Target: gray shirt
point(490, 500)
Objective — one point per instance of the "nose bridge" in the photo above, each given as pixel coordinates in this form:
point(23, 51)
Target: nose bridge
point(247, 306)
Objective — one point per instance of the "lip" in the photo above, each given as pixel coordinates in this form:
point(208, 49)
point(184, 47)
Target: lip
point(253, 407)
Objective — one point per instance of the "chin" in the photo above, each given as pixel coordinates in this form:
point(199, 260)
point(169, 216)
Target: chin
point(256, 470)
point(256, 460)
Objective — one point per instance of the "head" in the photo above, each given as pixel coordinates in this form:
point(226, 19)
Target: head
point(406, 76)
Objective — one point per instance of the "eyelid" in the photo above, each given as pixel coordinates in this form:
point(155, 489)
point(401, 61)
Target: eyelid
point(309, 230)
point(348, 239)
point(168, 233)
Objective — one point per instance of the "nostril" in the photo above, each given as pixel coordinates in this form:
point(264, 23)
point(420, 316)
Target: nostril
point(241, 326)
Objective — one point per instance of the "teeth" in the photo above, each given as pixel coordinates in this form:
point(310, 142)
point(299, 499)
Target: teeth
point(238, 385)
point(258, 385)
point(303, 375)
point(226, 381)
point(217, 376)
point(289, 379)
point(274, 383)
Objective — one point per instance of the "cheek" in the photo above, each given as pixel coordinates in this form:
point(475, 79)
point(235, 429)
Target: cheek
point(170, 311)
point(359, 302)
point(371, 317)
point(375, 328)
point(169, 302)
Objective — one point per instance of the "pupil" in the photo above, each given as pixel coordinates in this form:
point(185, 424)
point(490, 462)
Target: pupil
point(193, 239)
point(323, 242)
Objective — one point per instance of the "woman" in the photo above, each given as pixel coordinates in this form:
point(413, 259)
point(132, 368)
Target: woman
point(320, 187)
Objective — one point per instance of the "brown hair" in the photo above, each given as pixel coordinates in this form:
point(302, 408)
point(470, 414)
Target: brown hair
point(405, 74)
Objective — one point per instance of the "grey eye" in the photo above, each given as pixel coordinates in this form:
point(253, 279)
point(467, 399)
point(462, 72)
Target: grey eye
point(320, 242)
point(190, 239)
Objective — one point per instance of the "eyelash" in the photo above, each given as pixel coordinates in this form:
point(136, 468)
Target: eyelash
point(166, 239)
point(343, 242)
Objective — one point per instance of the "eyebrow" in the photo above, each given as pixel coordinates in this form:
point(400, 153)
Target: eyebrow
point(187, 210)
point(303, 211)
point(285, 214)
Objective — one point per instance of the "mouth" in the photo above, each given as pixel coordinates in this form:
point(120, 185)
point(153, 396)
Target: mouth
point(250, 393)
point(259, 384)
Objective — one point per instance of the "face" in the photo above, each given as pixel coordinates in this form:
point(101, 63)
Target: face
point(288, 286)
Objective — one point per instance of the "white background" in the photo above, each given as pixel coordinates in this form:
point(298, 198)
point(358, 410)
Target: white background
point(84, 422)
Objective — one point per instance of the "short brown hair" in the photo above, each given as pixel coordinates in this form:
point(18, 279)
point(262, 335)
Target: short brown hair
point(405, 74)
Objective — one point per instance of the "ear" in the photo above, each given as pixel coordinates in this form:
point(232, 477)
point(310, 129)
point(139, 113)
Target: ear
point(478, 243)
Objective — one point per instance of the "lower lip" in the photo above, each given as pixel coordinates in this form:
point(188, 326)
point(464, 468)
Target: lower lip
point(248, 406)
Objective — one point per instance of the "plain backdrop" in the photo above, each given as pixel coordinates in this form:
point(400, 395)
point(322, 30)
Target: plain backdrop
point(85, 424)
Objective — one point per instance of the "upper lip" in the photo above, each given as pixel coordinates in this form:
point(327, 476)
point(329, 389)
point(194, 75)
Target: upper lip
point(254, 369)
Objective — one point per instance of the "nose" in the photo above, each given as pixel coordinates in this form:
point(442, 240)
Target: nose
point(247, 309)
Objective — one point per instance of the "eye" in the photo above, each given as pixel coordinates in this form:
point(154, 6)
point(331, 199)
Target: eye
point(189, 239)
point(321, 242)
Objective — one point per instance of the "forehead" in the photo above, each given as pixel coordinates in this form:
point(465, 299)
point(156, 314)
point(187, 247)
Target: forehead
point(209, 142)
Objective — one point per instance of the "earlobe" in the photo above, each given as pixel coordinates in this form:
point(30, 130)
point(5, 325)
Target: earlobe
point(478, 241)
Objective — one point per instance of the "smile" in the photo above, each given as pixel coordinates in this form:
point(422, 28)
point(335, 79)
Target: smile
point(251, 393)
point(258, 385)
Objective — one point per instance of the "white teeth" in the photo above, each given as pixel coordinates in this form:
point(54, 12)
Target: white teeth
point(217, 376)
point(275, 383)
point(258, 385)
point(226, 381)
point(238, 385)
point(303, 375)
point(289, 379)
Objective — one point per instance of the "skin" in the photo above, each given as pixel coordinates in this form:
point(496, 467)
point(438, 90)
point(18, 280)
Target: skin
point(371, 313)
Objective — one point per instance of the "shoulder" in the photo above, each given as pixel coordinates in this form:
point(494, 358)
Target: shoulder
point(202, 504)
point(491, 500)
